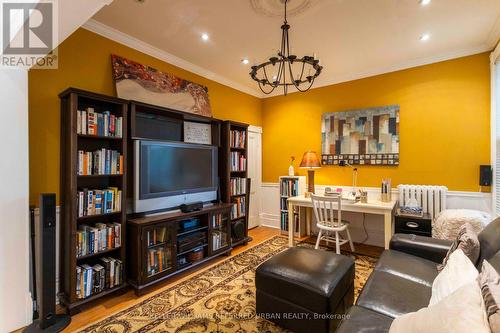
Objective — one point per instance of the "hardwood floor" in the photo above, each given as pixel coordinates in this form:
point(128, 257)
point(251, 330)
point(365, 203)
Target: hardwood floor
point(117, 302)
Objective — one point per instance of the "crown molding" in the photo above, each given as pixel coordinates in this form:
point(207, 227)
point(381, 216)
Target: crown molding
point(132, 42)
point(494, 35)
point(398, 67)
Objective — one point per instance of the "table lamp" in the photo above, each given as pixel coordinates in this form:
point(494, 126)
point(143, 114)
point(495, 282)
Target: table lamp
point(310, 162)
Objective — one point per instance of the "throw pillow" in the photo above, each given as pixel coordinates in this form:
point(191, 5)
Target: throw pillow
point(458, 271)
point(466, 241)
point(461, 312)
point(489, 281)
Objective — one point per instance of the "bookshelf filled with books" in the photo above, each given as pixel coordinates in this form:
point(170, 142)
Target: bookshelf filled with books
point(93, 195)
point(235, 184)
point(291, 186)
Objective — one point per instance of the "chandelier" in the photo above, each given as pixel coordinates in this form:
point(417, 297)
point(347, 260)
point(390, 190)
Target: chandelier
point(279, 71)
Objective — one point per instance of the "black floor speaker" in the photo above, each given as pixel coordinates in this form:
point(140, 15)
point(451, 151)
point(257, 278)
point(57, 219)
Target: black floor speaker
point(48, 320)
point(238, 230)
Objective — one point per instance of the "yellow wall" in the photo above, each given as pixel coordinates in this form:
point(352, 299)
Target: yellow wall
point(444, 118)
point(85, 62)
point(444, 124)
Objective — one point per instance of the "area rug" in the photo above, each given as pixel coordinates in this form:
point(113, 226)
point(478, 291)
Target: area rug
point(219, 299)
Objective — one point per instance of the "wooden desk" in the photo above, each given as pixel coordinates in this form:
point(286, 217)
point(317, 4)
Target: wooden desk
point(372, 207)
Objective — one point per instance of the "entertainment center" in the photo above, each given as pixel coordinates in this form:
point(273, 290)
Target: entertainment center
point(126, 169)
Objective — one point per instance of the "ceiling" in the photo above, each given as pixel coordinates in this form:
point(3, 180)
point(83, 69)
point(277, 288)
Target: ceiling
point(352, 38)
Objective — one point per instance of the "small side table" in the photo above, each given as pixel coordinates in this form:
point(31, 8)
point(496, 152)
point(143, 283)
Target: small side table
point(421, 226)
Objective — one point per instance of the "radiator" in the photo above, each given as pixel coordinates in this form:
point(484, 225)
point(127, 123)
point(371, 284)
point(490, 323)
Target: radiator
point(431, 198)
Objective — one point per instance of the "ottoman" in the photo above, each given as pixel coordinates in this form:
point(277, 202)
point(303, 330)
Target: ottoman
point(305, 290)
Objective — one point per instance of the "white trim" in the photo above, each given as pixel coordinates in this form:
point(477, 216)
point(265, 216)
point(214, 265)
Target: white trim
point(269, 220)
point(463, 194)
point(494, 56)
point(255, 129)
point(494, 34)
point(132, 42)
point(398, 67)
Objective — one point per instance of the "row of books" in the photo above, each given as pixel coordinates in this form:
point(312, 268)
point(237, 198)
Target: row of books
point(156, 236)
point(238, 186)
point(218, 221)
point(90, 122)
point(284, 221)
point(91, 280)
point(219, 240)
point(238, 161)
point(102, 237)
point(239, 207)
point(96, 202)
point(289, 187)
point(159, 259)
point(284, 203)
point(237, 139)
point(100, 162)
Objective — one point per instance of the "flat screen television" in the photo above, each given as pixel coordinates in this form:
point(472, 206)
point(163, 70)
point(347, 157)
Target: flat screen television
point(168, 174)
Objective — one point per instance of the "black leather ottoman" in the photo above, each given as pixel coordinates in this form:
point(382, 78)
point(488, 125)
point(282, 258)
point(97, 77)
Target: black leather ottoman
point(305, 290)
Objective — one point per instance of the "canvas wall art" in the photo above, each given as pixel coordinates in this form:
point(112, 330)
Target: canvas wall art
point(138, 82)
point(364, 137)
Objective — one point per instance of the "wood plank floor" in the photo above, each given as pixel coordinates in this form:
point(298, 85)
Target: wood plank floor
point(108, 305)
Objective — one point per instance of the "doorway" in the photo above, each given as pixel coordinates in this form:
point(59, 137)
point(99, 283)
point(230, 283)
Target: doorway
point(255, 174)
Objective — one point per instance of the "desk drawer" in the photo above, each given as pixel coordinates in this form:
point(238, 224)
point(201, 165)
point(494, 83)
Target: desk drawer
point(407, 225)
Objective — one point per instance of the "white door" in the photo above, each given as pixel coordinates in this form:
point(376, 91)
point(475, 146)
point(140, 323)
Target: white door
point(254, 173)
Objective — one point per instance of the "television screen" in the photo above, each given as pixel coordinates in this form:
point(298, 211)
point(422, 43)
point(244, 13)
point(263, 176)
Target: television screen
point(176, 168)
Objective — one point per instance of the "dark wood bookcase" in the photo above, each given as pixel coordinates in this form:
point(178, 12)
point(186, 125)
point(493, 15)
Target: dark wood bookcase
point(161, 246)
point(227, 173)
point(73, 100)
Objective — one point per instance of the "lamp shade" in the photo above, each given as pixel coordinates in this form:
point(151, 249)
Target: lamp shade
point(310, 160)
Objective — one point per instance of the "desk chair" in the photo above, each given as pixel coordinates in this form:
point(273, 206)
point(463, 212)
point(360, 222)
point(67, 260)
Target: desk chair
point(329, 225)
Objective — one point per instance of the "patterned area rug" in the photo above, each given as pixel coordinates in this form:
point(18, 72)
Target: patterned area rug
point(218, 299)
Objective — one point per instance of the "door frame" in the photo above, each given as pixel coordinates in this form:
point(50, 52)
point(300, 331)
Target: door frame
point(257, 186)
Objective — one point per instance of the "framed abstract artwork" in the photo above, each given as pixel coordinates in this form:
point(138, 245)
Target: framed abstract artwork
point(142, 83)
point(363, 137)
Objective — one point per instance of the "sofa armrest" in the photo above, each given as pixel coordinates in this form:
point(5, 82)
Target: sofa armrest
point(420, 246)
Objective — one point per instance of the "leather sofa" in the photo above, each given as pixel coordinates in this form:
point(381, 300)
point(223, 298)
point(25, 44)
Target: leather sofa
point(402, 279)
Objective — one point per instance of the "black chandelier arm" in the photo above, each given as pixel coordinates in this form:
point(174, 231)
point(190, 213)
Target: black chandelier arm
point(304, 90)
point(302, 71)
point(266, 92)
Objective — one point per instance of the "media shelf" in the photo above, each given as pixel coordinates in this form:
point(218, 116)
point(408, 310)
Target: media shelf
point(186, 241)
point(235, 184)
point(103, 114)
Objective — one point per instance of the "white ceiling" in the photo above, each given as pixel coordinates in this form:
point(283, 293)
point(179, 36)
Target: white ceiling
point(353, 38)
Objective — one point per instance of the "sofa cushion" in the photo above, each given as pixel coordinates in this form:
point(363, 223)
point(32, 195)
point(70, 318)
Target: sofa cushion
point(461, 312)
point(489, 240)
point(359, 319)
point(407, 266)
point(314, 279)
point(393, 295)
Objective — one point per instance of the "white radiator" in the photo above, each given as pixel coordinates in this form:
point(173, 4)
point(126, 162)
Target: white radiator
point(431, 198)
